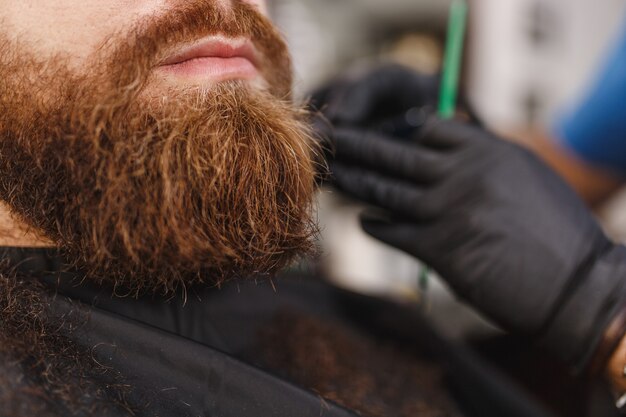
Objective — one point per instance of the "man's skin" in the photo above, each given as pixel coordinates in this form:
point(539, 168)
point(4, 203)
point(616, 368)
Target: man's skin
point(54, 27)
point(615, 370)
point(15, 233)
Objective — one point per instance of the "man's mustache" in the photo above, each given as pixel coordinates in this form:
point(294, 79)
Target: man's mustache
point(133, 56)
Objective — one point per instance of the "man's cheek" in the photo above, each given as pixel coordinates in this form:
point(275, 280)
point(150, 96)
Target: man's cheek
point(69, 28)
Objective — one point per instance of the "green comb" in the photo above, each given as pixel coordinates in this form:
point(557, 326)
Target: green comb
point(453, 58)
point(450, 80)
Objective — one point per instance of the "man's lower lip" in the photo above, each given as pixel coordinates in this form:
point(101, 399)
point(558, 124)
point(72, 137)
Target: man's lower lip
point(213, 69)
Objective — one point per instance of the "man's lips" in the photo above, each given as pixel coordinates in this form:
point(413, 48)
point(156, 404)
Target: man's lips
point(216, 59)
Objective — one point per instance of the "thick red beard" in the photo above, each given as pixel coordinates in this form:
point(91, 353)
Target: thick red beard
point(201, 188)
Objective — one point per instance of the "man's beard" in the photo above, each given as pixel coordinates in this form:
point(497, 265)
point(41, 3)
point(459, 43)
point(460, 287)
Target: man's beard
point(150, 192)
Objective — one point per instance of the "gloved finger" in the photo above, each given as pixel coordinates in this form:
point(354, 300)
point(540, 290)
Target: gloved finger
point(402, 235)
point(397, 158)
point(319, 99)
point(401, 198)
point(384, 92)
point(446, 134)
point(405, 124)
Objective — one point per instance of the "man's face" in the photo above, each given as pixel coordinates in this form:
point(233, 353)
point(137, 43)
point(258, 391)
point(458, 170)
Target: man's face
point(154, 141)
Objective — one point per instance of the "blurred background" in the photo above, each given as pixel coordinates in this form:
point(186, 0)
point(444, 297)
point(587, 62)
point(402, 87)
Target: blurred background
point(525, 62)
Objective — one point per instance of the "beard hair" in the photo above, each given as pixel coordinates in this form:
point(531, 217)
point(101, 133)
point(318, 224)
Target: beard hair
point(151, 192)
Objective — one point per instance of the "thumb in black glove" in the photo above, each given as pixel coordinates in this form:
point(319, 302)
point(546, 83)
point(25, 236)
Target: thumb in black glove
point(506, 232)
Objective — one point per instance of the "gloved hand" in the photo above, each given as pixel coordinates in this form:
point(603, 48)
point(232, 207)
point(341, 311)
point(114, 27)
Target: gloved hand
point(390, 98)
point(507, 233)
point(380, 99)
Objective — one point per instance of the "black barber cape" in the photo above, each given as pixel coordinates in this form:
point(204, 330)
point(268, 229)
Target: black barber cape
point(181, 356)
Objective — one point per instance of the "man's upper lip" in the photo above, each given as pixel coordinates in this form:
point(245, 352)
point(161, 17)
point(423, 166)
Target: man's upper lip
point(213, 48)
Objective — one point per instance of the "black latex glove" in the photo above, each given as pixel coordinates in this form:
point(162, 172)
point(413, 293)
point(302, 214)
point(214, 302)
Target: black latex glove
point(390, 98)
point(506, 232)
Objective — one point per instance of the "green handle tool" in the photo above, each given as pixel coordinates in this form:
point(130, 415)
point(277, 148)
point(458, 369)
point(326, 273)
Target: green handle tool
point(457, 24)
point(453, 58)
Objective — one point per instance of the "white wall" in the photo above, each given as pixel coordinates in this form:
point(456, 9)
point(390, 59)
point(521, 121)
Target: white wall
point(506, 65)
